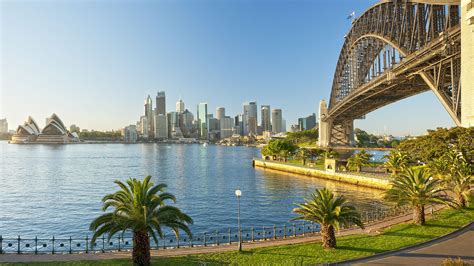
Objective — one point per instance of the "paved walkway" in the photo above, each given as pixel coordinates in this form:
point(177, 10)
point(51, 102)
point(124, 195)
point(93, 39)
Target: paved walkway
point(373, 228)
point(459, 244)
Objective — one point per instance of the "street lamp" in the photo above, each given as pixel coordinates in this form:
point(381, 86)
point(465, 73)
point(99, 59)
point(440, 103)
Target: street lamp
point(238, 193)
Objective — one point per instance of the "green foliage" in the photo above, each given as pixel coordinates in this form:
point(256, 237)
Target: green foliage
point(140, 207)
point(280, 147)
point(310, 135)
point(367, 140)
point(416, 188)
point(438, 142)
point(455, 173)
point(5, 136)
point(359, 159)
point(454, 262)
point(100, 135)
point(324, 208)
point(349, 247)
point(396, 162)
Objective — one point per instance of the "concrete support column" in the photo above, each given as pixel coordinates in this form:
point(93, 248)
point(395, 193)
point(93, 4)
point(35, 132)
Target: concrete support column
point(324, 125)
point(467, 63)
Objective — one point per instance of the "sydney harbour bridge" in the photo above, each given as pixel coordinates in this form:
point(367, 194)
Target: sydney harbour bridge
point(397, 49)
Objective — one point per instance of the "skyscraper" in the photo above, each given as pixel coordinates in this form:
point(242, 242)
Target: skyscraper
point(266, 114)
point(149, 117)
point(202, 120)
point(220, 113)
point(226, 125)
point(161, 129)
point(306, 123)
point(250, 122)
point(180, 106)
point(3, 126)
point(161, 103)
point(277, 121)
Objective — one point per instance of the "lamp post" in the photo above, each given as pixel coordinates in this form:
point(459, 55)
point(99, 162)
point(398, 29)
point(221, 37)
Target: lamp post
point(238, 193)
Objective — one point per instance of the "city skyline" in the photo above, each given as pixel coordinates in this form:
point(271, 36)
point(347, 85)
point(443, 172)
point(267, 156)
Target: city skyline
point(231, 61)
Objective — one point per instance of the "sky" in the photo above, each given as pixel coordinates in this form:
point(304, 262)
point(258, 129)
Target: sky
point(94, 62)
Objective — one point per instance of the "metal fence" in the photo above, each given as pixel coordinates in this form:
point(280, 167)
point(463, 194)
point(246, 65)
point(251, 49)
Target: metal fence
point(71, 245)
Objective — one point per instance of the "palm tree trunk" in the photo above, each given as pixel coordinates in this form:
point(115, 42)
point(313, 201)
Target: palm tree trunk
point(461, 200)
point(419, 214)
point(141, 248)
point(329, 236)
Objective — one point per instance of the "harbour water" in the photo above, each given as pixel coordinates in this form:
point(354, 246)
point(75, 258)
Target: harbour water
point(57, 189)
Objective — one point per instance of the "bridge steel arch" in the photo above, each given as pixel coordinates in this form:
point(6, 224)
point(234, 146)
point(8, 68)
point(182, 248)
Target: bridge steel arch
point(395, 49)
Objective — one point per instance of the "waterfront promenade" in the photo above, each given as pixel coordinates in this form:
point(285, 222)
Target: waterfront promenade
point(370, 229)
point(377, 182)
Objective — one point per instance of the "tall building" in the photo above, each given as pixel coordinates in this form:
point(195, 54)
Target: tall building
point(161, 103)
point(250, 122)
point(174, 128)
point(202, 120)
point(306, 123)
point(187, 121)
point(180, 106)
point(130, 134)
point(277, 121)
point(266, 115)
point(161, 129)
point(149, 117)
point(3, 126)
point(220, 113)
point(212, 127)
point(144, 126)
point(226, 127)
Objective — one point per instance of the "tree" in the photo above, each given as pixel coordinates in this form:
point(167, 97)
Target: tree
point(416, 188)
point(281, 148)
point(455, 173)
point(303, 155)
point(330, 212)
point(439, 142)
point(359, 159)
point(140, 207)
point(396, 162)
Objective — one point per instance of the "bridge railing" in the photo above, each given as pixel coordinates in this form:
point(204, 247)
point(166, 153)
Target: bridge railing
point(69, 245)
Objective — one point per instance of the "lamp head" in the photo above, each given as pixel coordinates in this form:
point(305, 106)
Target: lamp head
point(238, 193)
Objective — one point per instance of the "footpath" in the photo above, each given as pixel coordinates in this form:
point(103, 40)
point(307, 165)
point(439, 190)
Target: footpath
point(458, 244)
point(372, 228)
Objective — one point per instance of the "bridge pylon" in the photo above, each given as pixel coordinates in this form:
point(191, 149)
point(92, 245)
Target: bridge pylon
point(334, 133)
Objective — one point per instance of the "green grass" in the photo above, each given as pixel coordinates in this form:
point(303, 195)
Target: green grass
point(347, 247)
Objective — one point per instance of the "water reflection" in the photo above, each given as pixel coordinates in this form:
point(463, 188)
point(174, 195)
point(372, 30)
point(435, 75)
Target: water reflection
point(57, 190)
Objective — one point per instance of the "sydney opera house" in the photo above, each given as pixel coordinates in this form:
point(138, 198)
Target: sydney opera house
point(53, 133)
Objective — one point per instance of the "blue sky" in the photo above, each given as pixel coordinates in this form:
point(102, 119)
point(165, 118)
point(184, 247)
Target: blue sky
point(94, 62)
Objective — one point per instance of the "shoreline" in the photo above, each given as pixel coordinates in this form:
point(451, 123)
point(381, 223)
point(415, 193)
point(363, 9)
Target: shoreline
point(358, 180)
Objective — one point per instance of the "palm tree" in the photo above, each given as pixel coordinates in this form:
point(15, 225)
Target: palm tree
point(357, 160)
point(417, 189)
point(303, 155)
point(461, 183)
point(330, 212)
point(396, 162)
point(140, 207)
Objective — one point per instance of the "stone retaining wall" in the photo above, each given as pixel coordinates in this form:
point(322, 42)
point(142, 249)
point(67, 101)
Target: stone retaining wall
point(371, 182)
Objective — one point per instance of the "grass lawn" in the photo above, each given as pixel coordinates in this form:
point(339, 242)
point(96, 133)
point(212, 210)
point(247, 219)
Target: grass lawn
point(347, 247)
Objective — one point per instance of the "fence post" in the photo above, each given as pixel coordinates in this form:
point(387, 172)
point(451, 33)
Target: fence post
point(119, 242)
point(36, 245)
point(205, 243)
point(70, 245)
point(177, 240)
point(253, 234)
point(312, 227)
point(294, 230)
point(217, 237)
point(230, 236)
point(274, 231)
point(164, 242)
point(264, 234)
point(87, 244)
point(303, 228)
point(103, 243)
point(1, 244)
point(18, 245)
point(53, 246)
point(284, 231)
